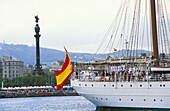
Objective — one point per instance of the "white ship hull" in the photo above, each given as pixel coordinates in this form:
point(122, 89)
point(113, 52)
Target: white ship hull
point(125, 94)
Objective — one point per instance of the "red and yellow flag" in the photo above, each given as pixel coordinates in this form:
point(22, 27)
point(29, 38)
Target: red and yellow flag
point(63, 74)
point(115, 49)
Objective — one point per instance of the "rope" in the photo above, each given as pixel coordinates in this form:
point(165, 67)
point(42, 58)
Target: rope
point(108, 31)
point(166, 15)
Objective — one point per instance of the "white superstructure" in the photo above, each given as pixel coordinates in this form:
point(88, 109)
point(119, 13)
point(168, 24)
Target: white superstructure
point(153, 94)
point(117, 86)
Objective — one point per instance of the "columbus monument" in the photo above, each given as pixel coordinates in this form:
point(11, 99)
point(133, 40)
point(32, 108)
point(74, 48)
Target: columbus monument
point(38, 67)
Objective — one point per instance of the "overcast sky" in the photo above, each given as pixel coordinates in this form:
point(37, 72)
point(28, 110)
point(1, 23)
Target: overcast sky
point(79, 25)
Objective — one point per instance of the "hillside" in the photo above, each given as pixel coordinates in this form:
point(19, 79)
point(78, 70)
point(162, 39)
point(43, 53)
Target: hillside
point(27, 54)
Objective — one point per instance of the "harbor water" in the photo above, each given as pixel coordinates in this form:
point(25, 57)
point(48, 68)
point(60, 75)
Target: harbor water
point(55, 103)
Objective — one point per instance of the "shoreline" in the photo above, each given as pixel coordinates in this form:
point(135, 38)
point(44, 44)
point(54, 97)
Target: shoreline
point(14, 95)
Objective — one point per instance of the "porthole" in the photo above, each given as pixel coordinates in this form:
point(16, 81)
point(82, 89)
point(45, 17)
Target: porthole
point(121, 85)
point(106, 98)
point(92, 85)
point(144, 99)
point(131, 99)
point(140, 85)
point(161, 100)
point(119, 99)
point(160, 85)
point(154, 99)
point(101, 99)
point(164, 85)
point(79, 84)
point(130, 85)
point(150, 85)
point(104, 85)
point(112, 85)
point(85, 84)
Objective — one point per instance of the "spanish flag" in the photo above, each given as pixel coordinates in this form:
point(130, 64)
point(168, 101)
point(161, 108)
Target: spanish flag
point(63, 74)
point(115, 49)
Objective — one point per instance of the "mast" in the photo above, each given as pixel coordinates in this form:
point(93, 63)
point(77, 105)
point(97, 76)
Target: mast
point(154, 32)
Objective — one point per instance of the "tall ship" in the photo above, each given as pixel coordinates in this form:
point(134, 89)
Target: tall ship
point(136, 70)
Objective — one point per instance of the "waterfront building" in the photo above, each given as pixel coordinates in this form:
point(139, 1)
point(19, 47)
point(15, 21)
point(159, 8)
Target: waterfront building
point(11, 67)
point(52, 68)
point(28, 69)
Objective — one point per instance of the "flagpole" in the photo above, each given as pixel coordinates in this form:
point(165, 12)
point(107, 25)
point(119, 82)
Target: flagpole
point(55, 80)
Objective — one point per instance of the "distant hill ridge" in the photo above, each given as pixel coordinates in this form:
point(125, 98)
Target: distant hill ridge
point(27, 54)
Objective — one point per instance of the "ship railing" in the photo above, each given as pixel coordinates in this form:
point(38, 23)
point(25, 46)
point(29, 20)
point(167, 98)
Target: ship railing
point(124, 78)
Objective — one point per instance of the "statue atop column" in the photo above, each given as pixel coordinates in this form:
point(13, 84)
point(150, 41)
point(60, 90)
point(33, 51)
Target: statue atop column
point(38, 67)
